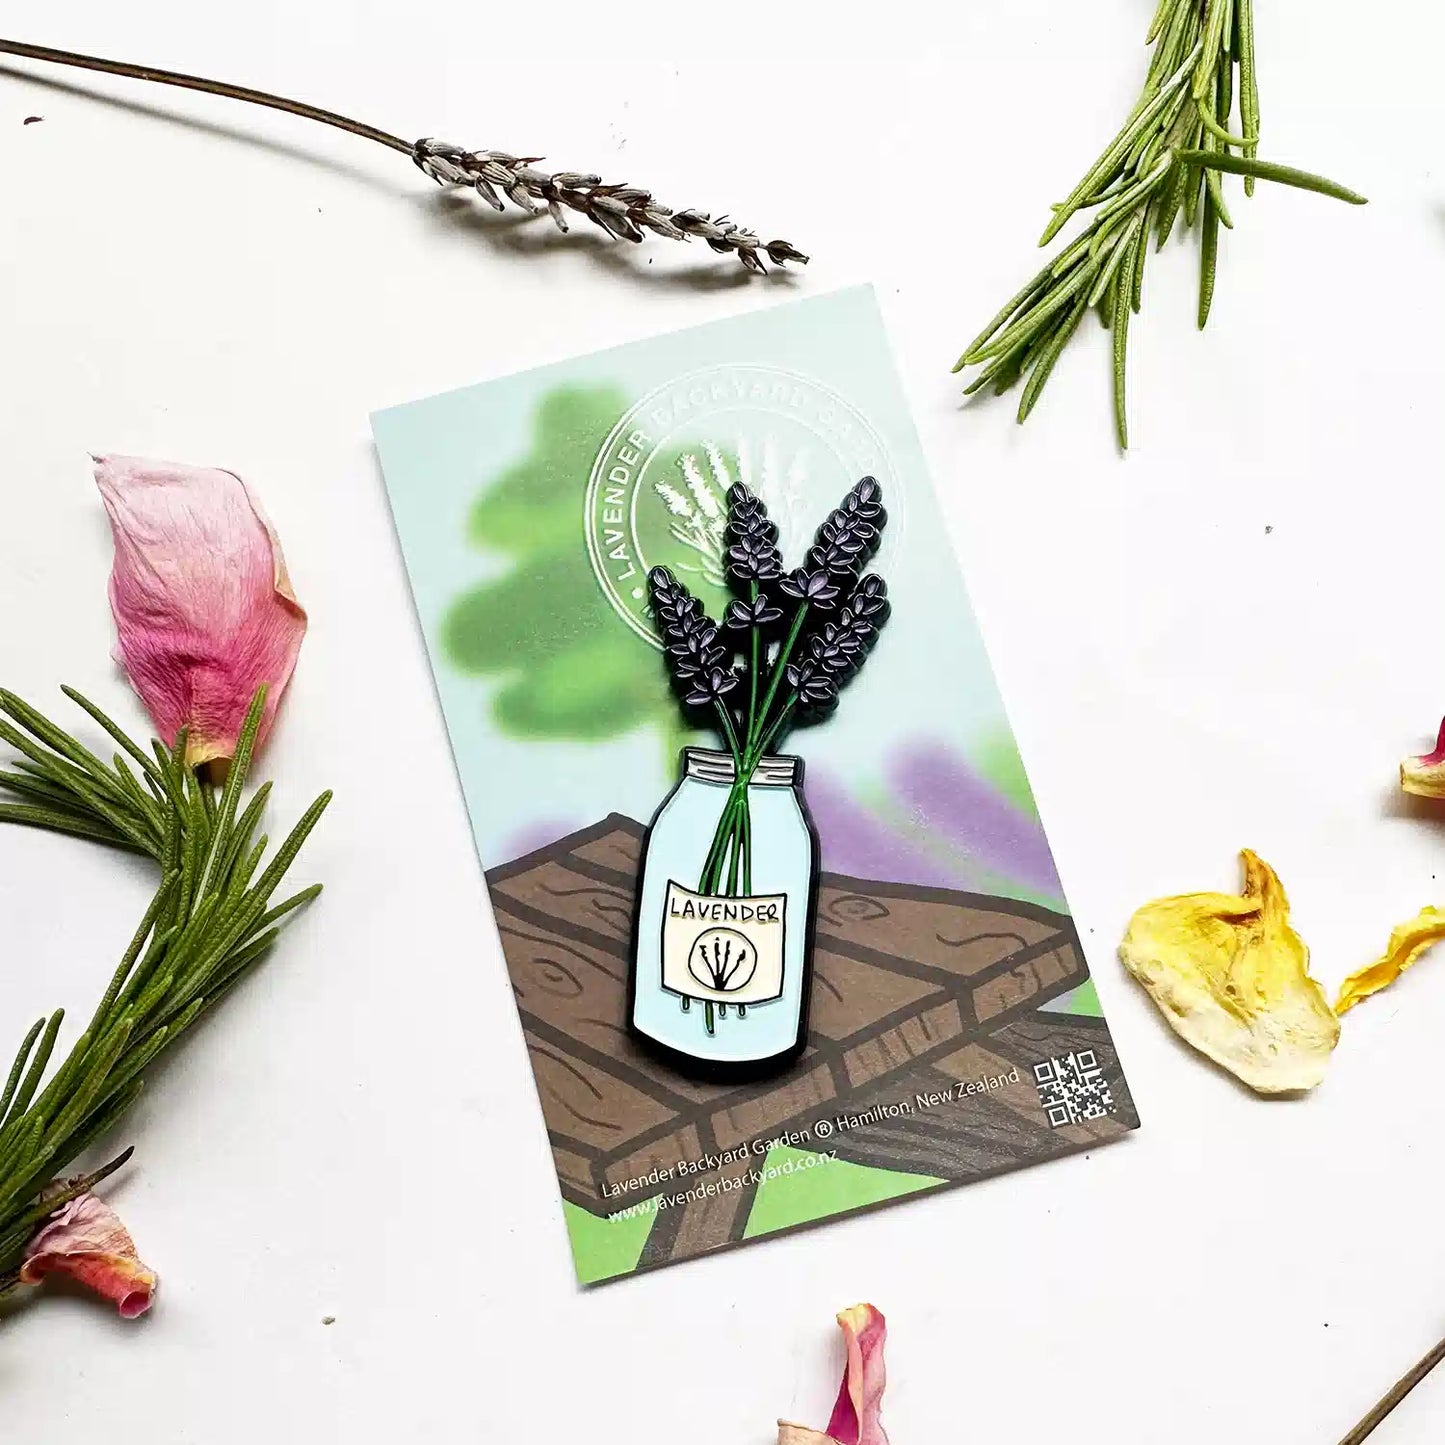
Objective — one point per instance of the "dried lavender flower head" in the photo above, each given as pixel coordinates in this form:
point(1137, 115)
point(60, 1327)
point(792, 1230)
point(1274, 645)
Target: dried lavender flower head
point(627, 212)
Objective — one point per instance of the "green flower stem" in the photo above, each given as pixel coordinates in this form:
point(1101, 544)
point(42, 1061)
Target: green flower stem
point(746, 848)
point(780, 667)
point(734, 848)
point(724, 838)
point(732, 842)
point(734, 746)
point(756, 642)
point(721, 834)
point(766, 740)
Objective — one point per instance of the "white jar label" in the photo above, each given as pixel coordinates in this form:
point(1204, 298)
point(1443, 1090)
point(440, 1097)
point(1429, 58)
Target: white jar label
point(723, 950)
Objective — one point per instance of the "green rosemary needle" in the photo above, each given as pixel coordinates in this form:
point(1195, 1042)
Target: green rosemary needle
point(211, 919)
point(1166, 161)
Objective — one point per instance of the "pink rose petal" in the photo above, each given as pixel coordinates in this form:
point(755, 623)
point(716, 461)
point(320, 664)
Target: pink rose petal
point(204, 610)
point(855, 1419)
point(85, 1241)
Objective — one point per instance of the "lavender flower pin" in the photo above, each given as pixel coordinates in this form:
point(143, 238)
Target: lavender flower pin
point(729, 882)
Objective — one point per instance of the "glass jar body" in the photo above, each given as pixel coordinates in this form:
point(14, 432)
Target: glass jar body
point(721, 979)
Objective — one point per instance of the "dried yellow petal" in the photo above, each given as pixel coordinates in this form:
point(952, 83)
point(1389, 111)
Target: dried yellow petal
point(1232, 978)
point(1425, 775)
point(1406, 945)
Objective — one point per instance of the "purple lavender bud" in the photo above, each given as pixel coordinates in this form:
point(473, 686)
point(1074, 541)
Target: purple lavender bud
point(819, 691)
point(752, 559)
point(866, 501)
point(835, 559)
point(711, 686)
point(742, 615)
point(814, 686)
point(869, 599)
point(815, 588)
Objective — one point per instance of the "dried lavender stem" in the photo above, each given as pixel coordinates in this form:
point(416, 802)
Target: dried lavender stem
point(627, 212)
point(1376, 1416)
point(210, 87)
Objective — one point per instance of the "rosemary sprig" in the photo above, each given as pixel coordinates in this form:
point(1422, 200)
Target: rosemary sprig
point(1165, 162)
point(626, 212)
point(211, 919)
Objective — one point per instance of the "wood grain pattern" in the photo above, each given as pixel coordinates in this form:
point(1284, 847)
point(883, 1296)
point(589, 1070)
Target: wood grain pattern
point(916, 991)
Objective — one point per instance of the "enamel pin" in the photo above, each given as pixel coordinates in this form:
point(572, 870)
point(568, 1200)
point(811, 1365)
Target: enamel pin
point(723, 929)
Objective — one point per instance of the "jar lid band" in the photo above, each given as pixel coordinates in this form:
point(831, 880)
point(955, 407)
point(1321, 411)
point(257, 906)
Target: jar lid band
point(709, 765)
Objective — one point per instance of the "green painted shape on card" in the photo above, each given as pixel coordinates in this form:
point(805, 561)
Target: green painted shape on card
point(819, 1187)
point(565, 667)
point(998, 760)
point(1082, 1002)
point(605, 1248)
point(582, 683)
point(539, 498)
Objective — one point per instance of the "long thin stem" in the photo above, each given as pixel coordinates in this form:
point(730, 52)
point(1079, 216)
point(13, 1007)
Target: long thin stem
point(735, 801)
point(210, 87)
point(765, 741)
point(1395, 1396)
point(734, 746)
point(756, 641)
point(780, 668)
point(745, 843)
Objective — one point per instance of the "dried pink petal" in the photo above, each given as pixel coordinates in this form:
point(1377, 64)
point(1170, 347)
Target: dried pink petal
point(85, 1241)
point(855, 1419)
point(204, 610)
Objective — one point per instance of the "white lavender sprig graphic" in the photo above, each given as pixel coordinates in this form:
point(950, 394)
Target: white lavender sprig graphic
point(698, 518)
point(780, 486)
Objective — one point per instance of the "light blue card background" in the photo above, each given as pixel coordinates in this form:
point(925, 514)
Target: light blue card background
point(914, 779)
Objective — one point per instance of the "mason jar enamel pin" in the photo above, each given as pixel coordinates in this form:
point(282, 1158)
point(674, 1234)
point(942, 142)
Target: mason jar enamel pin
point(722, 936)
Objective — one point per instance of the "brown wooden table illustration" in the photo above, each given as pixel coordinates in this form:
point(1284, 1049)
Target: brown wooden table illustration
point(915, 989)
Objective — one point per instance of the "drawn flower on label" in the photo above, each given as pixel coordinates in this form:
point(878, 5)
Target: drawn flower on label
point(723, 959)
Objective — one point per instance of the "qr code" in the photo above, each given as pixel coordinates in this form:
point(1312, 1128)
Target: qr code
point(1072, 1089)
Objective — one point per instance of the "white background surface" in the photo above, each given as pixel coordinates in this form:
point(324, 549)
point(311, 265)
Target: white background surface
point(357, 1135)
